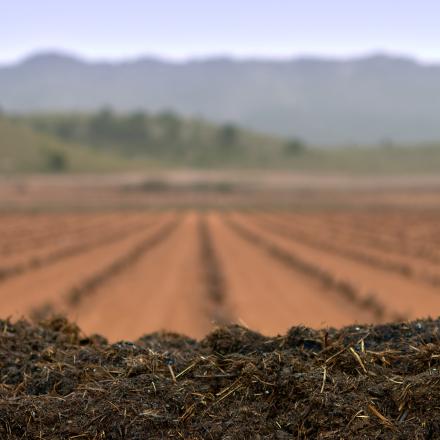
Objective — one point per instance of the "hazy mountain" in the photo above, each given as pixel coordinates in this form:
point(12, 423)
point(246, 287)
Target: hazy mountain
point(324, 101)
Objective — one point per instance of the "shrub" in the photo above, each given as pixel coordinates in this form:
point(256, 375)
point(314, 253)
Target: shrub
point(294, 147)
point(56, 162)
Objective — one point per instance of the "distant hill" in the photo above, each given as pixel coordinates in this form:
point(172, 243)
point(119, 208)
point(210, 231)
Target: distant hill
point(324, 101)
point(103, 142)
point(22, 150)
point(107, 141)
point(165, 138)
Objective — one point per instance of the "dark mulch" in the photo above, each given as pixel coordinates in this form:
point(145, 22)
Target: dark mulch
point(359, 382)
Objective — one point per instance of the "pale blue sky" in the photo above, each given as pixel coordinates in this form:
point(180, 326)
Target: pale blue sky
point(110, 29)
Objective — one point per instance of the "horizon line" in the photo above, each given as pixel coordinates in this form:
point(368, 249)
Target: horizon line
point(215, 56)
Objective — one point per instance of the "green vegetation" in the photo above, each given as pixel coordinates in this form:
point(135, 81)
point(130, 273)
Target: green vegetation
point(294, 147)
point(57, 161)
point(22, 150)
point(165, 138)
point(374, 160)
point(105, 141)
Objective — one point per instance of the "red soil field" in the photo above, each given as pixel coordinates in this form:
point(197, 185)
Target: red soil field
point(304, 260)
point(124, 273)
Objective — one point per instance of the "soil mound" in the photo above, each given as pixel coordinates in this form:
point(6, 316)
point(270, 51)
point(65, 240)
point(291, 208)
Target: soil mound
point(363, 382)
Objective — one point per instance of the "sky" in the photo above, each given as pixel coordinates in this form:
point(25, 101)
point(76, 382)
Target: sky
point(181, 29)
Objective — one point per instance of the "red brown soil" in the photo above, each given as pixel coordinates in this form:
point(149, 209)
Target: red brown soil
point(216, 189)
point(125, 273)
point(398, 294)
point(163, 290)
point(279, 296)
point(58, 236)
point(21, 294)
point(331, 257)
point(405, 246)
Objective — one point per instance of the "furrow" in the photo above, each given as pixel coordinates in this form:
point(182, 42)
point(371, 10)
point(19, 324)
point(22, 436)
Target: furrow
point(86, 287)
point(69, 251)
point(344, 288)
point(213, 275)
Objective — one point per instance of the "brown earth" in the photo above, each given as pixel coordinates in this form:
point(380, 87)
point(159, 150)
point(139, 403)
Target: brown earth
point(217, 189)
point(124, 258)
point(164, 289)
point(365, 382)
point(123, 273)
point(280, 295)
point(397, 294)
point(52, 283)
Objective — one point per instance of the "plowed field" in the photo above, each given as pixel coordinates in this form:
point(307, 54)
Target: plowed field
point(127, 273)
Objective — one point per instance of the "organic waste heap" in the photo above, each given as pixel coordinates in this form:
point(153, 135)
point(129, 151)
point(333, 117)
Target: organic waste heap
point(361, 381)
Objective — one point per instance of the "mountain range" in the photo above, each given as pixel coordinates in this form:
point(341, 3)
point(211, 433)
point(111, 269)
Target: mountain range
point(367, 100)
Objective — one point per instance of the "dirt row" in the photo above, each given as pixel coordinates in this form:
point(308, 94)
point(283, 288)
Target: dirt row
point(69, 245)
point(190, 271)
point(23, 293)
point(321, 237)
point(399, 295)
point(378, 232)
point(29, 231)
point(212, 271)
point(57, 230)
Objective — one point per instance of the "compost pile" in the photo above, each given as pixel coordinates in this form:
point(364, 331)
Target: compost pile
point(361, 381)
